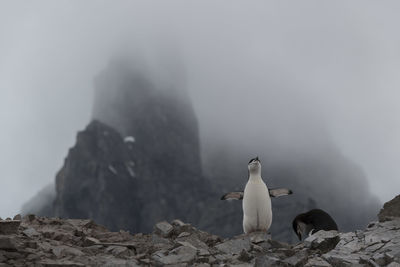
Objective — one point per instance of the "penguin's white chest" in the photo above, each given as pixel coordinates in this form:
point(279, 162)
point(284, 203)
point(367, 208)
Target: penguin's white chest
point(257, 211)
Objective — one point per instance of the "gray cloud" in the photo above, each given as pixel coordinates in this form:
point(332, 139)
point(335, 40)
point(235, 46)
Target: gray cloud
point(257, 71)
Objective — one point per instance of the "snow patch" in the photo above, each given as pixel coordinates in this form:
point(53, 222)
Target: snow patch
point(129, 139)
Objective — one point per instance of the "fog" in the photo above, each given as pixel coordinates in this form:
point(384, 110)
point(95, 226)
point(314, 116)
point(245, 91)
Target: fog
point(254, 71)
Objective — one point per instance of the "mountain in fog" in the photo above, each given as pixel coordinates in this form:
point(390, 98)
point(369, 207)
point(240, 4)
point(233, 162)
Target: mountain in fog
point(138, 162)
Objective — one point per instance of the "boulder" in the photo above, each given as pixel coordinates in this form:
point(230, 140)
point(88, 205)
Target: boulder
point(323, 240)
point(390, 210)
point(164, 229)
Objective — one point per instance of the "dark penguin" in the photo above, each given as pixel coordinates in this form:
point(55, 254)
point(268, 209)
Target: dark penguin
point(313, 221)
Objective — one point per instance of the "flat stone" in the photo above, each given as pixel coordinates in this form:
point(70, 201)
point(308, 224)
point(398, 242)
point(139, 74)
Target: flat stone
point(164, 229)
point(234, 246)
point(393, 264)
point(9, 227)
point(30, 232)
point(194, 241)
point(203, 252)
point(90, 241)
point(266, 261)
point(60, 251)
point(323, 240)
point(179, 255)
point(118, 250)
point(258, 237)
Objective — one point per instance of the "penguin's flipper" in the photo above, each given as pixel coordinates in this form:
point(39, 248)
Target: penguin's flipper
point(232, 195)
point(278, 192)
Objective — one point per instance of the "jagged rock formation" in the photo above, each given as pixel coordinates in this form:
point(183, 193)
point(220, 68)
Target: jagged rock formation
point(40, 241)
point(106, 178)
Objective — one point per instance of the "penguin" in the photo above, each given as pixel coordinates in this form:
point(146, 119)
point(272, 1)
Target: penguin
point(311, 222)
point(257, 210)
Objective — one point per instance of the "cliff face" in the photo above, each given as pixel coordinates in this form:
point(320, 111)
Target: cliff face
point(40, 241)
point(149, 173)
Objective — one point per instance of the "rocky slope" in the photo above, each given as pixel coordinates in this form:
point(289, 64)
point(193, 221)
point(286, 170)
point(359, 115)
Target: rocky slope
point(40, 241)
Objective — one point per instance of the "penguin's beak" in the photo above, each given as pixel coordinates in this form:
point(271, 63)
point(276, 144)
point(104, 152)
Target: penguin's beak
point(299, 236)
point(298, 233)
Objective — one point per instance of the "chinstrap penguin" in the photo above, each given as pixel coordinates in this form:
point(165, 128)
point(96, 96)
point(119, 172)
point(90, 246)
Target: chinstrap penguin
point(311, 222)
point(257, 211)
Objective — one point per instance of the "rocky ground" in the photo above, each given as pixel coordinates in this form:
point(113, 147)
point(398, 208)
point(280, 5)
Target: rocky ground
point(41, 241)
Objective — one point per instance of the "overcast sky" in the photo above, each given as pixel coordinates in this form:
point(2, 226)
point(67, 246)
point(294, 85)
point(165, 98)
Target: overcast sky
point(341, 57)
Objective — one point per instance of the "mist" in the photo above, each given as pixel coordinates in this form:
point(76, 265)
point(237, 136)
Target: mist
point(270, 75)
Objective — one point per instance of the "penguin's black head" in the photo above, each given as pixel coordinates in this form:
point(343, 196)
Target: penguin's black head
point(254, 166)
point(313, 220)
point(254, 160)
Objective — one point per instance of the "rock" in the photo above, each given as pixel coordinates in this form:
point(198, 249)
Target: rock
point(90, 241)
point(12, 255)
point(317, 262)
point(258, 237)
point(323, 240)
point(245, 256)
point(338, 258)
point(17, 217)
point(29, 217)
point(30, 232)
point(179, 255)
point(194, 241)
point(118, 250)
point(9, 227)
point(183, 234)
point(391, 210)
point(60, 251)
point(298, 259)
point(267, 260)
point(234, 246)
point(66, 263)
point(164, 229)
point(381, 259)
point(7, 243)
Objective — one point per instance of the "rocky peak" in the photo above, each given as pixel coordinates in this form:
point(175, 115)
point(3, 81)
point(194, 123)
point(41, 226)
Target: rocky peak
point(107, 179)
